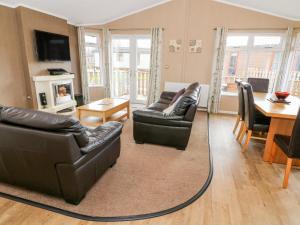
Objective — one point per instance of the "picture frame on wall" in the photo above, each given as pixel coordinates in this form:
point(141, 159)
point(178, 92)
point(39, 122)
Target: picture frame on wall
point(175, 45)
point(195, 46)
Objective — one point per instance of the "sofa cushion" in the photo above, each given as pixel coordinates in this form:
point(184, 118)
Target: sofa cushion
point(45, 121)
point(158, 106)
point(170, 109)
point(189, 97)
point(178, 94)
point(102, 136)
point(1, 107)
point(159, 118)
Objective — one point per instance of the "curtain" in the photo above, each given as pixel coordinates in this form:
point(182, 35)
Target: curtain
point(155, 65)
point(83, 68)
point(280, 81)
point(217, 69)
point(107, 61)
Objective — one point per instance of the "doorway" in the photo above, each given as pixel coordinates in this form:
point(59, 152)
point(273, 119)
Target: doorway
point(130, 67)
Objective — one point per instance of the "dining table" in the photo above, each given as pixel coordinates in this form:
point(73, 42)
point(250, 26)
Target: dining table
point(283, 117)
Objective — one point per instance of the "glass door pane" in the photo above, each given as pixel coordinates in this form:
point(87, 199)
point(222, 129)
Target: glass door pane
point(131, 67)
point(120, 67)
point(143, 45)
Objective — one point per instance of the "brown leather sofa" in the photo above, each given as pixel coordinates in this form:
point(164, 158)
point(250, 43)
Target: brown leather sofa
point(152, 125)
point(55, 154)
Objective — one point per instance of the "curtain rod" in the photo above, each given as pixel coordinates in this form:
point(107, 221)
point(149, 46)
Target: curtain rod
point(88, 28)
point(258, 28)
point(121, 29)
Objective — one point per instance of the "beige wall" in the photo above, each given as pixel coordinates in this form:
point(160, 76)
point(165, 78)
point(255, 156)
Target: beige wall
point(196, 19)
point(96, 93)
point(30, 20)
point(18, 58)
point(12, 84)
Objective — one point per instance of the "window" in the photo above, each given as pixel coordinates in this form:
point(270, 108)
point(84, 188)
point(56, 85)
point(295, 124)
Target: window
point(93, 59)
point(251, 55)
point(143, 53)
point(293, 79)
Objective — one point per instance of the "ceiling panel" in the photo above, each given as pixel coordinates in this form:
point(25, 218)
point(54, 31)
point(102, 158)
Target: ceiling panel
point(88, 11)
point(289, 9)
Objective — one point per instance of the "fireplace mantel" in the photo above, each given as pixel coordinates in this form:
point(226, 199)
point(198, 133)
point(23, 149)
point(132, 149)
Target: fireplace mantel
point(49, 85)
point(53, 78)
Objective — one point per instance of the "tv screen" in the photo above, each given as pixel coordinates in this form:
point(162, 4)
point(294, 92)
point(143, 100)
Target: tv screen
point(52, 47)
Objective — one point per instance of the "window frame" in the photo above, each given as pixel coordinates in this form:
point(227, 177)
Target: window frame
point(295, 48)
point(98, 46)
point(250, 48)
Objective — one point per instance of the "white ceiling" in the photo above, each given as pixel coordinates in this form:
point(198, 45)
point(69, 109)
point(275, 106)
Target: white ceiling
point(97, 12)
point(86, 12)
point(289, 9)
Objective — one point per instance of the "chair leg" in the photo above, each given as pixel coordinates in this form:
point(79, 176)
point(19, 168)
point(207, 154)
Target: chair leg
point(240, 131)
point(242, 134)
point(238, 118)
point(273, 153)
point(245, 146)
point(287, 172)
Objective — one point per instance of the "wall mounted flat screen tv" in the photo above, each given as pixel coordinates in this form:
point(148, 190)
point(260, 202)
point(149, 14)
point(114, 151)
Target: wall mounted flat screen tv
point(52, 47)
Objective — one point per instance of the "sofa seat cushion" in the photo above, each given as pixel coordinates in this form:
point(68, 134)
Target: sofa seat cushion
point(101, 136)
point(158, 106)
point(44, 121)
point(159, 118)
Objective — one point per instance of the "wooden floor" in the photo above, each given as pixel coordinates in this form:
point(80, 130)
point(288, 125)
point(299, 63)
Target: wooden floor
point(244, 190)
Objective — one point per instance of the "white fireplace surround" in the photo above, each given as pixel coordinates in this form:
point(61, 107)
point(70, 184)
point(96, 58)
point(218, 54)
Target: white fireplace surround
point(45, 84)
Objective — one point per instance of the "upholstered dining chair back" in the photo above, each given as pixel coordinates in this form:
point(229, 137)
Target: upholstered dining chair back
point(249, 105)
point(294, 147)
point(259, 84)
point(241, 110)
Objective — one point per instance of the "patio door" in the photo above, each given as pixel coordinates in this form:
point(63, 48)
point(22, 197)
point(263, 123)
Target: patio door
point(130, 67)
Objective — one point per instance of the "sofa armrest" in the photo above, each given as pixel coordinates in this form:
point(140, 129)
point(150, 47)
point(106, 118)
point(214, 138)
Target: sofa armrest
point(101, 136)
point(159, 118)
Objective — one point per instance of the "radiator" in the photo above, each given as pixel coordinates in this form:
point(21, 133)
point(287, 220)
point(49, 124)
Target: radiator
point(175, 86)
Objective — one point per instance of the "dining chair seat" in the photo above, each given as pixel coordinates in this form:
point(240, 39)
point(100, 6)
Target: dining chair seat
point(241, 109)
point(260, 128)
point(261, 118)
point(254, 120)
point(290, 145)
point(283, 141)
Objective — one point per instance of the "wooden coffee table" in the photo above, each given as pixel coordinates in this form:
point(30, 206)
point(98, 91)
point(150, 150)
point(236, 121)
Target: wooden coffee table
point(104, 110)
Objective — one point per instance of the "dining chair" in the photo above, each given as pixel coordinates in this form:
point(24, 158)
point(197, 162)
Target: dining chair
point(259, 84)
point(290, 145)
point(253, 121)
point(241, 110)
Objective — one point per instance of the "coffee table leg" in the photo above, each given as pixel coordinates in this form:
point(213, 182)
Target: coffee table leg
point(103, 118)
point(128, 111)
point(78, 114)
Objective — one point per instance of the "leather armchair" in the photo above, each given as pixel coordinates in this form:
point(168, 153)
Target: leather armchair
point(55, 154)
point(152, 125)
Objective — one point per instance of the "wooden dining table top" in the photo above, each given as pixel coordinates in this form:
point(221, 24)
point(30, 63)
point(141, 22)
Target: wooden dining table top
point(277, 110)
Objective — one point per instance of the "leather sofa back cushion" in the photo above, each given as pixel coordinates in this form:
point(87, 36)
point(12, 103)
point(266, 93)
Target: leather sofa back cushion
point(178, 94)
point(45, 121)
point(189, 98)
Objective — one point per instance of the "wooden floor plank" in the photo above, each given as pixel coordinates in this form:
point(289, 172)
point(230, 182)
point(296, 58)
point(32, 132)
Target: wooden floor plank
point(244, 191)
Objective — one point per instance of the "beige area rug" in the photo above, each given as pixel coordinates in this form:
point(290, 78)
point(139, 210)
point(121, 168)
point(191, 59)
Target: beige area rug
point(147, 181)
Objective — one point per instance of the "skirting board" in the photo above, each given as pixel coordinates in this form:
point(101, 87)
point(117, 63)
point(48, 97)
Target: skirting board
point(227, 112)
point(176, 86)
